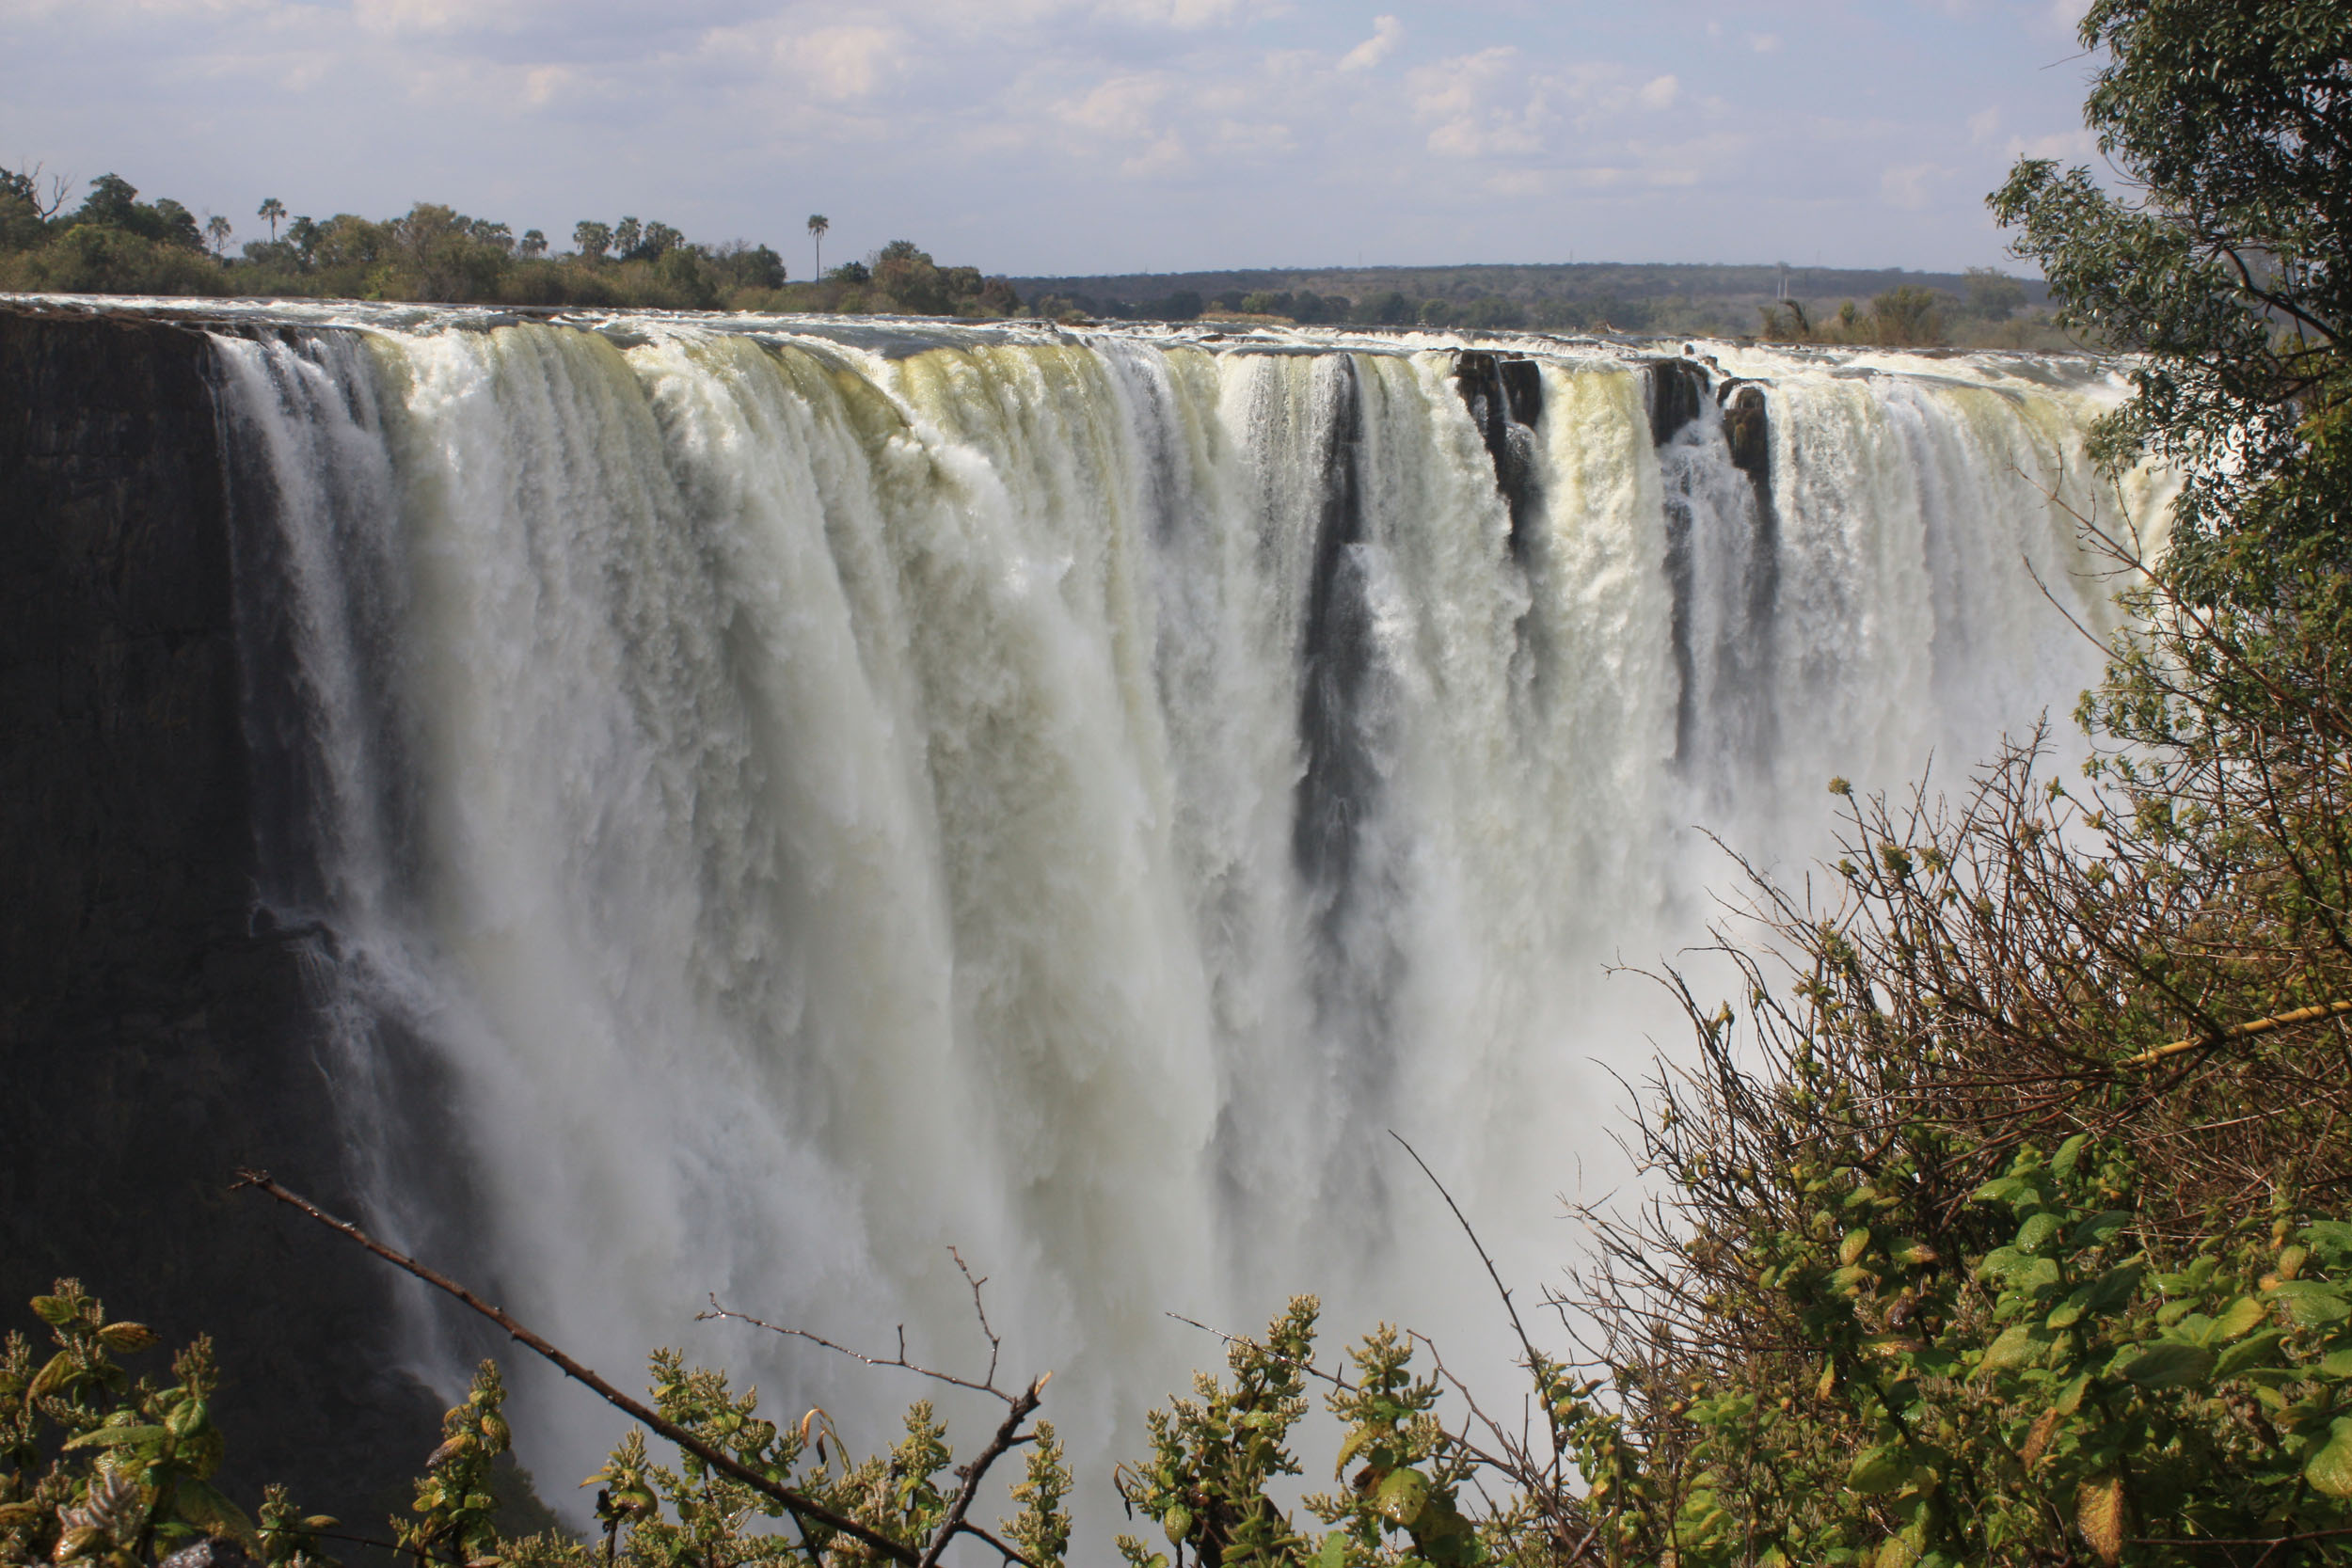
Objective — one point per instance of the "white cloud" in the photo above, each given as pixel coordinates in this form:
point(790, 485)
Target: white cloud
point(1909, 185)
point(1385, 30)
point(1764, 44)
point(1467, 103)
point(842, 63)
point(1166, 156)
point(1658, 94)
point(1185, 15)
point(2066, 16)
point(1985, 124)
point(1120, 107)
point(2064, 147)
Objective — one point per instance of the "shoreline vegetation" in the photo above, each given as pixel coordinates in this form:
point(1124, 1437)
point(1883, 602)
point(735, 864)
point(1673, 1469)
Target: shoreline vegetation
point(112, 242)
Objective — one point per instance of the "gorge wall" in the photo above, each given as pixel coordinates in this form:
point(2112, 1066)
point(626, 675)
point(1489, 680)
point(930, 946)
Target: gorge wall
point(155, 1035)
point(642, 807)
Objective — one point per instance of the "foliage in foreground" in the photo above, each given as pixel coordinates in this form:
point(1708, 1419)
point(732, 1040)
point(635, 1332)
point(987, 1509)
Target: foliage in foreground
point(110, 1470)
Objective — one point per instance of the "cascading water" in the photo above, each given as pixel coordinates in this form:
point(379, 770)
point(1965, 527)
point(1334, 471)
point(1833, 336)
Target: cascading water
point(786, 801)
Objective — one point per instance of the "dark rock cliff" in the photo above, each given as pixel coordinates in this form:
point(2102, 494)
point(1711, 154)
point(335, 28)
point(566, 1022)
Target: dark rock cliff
point(152, 1037)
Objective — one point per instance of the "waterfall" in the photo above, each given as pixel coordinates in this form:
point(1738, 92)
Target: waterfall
point(781, 802)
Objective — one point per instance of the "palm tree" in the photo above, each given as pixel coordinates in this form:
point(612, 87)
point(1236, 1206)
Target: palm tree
point(216, 231)
point(274, 210)
point(817, 224)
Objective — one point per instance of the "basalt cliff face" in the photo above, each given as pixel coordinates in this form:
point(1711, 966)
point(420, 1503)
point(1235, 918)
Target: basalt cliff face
point(154, 1034)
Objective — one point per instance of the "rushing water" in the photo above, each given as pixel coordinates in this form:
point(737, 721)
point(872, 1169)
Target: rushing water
point(787, 799)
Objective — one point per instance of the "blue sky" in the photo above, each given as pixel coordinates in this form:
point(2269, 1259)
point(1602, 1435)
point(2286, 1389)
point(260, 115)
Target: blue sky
point(1073, 136)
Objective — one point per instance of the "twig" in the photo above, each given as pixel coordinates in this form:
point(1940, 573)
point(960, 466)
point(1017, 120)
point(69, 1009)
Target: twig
point(898, 1360)
point(1007, 1437)
point(807, 1508)
point(1334, 1378)
point(2241, 1031)
point(1533, 1359)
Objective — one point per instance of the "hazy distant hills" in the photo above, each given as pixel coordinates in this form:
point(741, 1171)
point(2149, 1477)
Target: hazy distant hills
point(1631, 295)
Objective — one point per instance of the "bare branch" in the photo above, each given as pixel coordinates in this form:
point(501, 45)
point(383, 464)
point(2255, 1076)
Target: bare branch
point(805, 1507)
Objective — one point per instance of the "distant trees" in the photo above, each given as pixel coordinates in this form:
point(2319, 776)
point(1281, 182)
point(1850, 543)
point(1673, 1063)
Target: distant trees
point(113, 203)
point(1993, 296)
point(1908, 314)
point(114, 242)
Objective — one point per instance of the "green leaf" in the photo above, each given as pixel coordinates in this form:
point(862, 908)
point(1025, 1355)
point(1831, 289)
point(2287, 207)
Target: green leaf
point(52, 1311)
point(1353, 1446)
point(201, 1505)
point(127, 1338)
point(2337, 1363)
point(2063, 1163)
point(2260, 1351)
point(1879, 1471)
point(1403, 1497)
point(2312, 1303)
point(1999, 1262)
point(119, 1437)
point(1857, 1241)
point(2098, 1227)
point(1850, 1279)
point(2115, 1287)
point(2240, 1318)
point(2332, 1238)
point(1334, 1550)
point(2018, 1345)
point(2168, 1365)
point(2035, 1233)
point(2330, 1470)
point(1177, 1523)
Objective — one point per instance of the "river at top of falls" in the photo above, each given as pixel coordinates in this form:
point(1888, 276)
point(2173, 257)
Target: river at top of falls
point(789, 797)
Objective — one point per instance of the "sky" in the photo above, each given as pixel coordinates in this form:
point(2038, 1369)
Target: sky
point(1079, 136)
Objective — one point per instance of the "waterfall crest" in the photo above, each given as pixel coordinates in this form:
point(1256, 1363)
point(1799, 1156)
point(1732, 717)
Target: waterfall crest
point(784, 802)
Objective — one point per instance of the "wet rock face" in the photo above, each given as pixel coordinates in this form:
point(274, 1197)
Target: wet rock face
point(152, 1037)
point(1745, 429)
point(1677, 389)
point(1505, 399)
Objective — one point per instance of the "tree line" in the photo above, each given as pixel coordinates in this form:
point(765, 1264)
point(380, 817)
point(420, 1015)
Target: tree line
point(114, 242)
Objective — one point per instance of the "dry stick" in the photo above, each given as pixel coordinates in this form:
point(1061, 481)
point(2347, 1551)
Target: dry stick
point(1533, 1360)
point(718, 1312)
point(803, 1506)
point(1335, 1379)
point(1007, 1435)
point(1510, 1308)
point(2241, 1031)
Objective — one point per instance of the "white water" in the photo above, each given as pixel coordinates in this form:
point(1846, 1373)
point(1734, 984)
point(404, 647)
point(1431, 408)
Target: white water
point(788, 806)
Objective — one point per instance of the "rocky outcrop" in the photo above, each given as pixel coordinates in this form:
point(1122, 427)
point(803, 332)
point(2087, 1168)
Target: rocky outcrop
point(153, 1036)
point(1504, 394)
point(1750, 437)
point(1677, 389)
